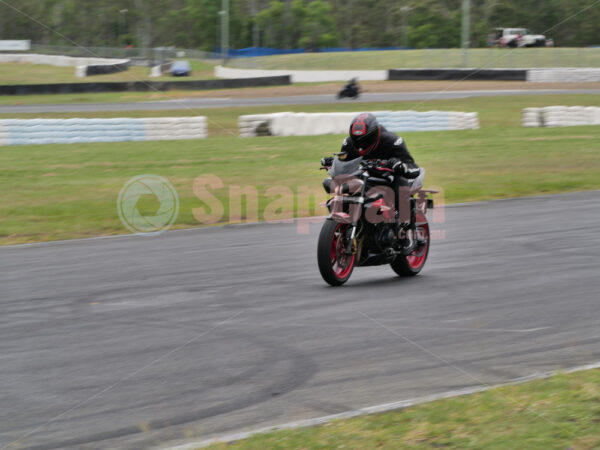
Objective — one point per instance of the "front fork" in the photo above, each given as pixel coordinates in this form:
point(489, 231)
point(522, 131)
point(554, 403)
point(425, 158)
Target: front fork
point(352, 231)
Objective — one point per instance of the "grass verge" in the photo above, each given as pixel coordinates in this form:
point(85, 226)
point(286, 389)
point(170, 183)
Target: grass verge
point(430, 58)
point(562, 412)
point(67, 191)
point(27, 73)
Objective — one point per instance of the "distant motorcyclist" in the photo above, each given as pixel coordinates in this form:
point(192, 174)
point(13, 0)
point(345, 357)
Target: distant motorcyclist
point(351, 89)
point(352, 84)
point(370, 140)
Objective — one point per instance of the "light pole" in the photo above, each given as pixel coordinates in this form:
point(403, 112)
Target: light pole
point(122, 19)
point(405, 10)
point(466, 31)
point(224, 30)
point(255, 30)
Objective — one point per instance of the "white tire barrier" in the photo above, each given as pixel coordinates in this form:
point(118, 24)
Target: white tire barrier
point(304, 76)
point(68, 131)
point(312, 124)
point(584, 75)
point(176, 128)
point(561, 116)
point(54, 60)
point(532, 117)
point(403, 121)
point(83, 66)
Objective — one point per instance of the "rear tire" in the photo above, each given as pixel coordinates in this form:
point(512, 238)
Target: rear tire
point(411, 265)
point(335, 266)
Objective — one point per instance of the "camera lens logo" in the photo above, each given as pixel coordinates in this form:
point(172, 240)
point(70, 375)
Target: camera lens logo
point(148, 204)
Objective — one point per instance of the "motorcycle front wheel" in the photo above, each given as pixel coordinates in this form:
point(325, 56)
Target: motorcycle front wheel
point(335, 264)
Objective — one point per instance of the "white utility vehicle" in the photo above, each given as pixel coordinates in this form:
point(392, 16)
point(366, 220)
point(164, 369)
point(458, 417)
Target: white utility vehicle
point(517, 37)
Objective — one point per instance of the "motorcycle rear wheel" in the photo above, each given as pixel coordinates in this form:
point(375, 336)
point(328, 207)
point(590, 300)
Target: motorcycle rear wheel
point(334, 264)
point(411, 265)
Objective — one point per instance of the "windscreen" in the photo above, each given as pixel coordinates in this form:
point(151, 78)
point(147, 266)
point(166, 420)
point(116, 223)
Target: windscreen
point(344, 167)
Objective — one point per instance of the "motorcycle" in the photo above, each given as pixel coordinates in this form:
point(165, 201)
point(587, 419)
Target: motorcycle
point(366, 226)
point(351, 90)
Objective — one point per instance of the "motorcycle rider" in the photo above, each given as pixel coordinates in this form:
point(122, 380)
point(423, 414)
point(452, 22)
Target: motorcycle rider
point(370, 140)
point(351, 89)
point(351, 85)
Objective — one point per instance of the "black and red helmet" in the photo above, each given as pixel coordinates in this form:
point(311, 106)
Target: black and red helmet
point(365, 133)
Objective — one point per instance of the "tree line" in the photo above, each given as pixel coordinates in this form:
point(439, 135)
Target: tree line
point(308, 24)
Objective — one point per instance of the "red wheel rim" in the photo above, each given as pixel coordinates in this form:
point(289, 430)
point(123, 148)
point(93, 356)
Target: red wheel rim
point(417, 258)
point(341, 263)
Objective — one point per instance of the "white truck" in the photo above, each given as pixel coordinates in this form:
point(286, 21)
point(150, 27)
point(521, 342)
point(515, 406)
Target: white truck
point(518, 37)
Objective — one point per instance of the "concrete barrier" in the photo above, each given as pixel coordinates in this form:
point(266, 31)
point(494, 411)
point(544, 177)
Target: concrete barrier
point(161, 69)
point(68, 131)
point(304, 76)
point(102, 68)
point(532, 75)
point(139, 86)
point(561, 116)
point(458, 74)
point(308, 76)
point(579, 75)
point(312, 124)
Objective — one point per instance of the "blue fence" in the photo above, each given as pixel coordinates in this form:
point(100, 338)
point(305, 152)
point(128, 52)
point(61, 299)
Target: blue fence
point(252, 52)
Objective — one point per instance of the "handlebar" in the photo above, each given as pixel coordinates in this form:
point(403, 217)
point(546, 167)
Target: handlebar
point(377, 166)
point(368, 165)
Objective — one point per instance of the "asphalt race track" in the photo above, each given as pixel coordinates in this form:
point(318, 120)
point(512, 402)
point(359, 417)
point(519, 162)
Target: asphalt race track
point(204, 103)
point(130, 342)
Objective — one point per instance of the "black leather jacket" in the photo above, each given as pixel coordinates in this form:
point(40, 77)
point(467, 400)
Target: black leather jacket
point(391, 147)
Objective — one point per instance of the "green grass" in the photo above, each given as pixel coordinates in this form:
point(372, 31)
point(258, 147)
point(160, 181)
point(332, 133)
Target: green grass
point(436, 58)
point(562, 412)
point(66, 191)
point(107, 97)
point(26, 73)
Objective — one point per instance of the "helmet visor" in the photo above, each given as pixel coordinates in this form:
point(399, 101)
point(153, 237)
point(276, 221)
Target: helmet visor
point(366, 141)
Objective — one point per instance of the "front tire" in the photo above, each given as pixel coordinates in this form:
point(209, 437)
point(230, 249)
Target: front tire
point(334, 264)
point(411, 265)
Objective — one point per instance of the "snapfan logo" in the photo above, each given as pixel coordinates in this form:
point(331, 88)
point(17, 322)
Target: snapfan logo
point(149, 204)
point(160, 192)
